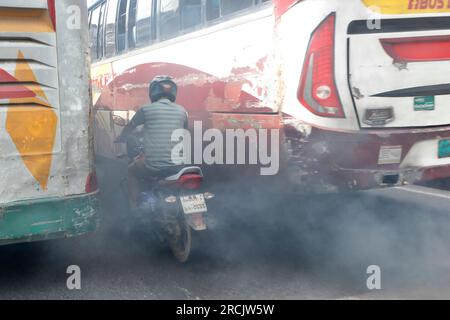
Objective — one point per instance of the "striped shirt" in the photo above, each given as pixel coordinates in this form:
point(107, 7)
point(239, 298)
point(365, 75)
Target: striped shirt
point(160, 120)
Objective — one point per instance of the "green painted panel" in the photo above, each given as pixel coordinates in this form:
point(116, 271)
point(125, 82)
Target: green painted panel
point(50, 218)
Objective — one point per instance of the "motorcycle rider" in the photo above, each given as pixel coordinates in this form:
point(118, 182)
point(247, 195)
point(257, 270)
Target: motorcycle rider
point(159, 119)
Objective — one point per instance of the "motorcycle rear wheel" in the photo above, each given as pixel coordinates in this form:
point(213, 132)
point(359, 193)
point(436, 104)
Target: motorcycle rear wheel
point(180, 242)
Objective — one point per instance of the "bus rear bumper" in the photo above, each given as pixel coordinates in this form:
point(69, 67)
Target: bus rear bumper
point(329, 161)
point(354, 179)
point(49, 219)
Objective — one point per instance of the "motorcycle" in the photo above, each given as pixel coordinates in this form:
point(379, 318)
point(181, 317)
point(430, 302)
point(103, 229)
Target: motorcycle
point(175, 206)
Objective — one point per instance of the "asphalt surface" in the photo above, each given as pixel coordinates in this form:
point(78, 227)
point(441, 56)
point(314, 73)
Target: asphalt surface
point(264, 247)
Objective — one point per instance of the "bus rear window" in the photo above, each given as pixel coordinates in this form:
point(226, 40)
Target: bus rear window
point(231, 6)
point(169, 18)
point(218, 8)
point(121, 26)
point(191, 14)
point(132, 24)
point(144, 22)
point(212, 9)
point(110, 29)
point(93, 28)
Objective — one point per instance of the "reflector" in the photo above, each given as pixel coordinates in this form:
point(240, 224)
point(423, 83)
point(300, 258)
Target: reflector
point(418, 49)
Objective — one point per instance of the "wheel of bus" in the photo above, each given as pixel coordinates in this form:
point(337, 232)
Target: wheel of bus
point(180, 241)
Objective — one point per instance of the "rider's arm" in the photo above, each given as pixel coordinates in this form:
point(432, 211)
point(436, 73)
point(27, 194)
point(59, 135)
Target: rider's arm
point(137, 120)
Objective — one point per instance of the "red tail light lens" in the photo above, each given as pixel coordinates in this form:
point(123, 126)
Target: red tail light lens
point(318, 91)
point(418, 49)
point(52, 12)
point(91, 183)
point(190, 181)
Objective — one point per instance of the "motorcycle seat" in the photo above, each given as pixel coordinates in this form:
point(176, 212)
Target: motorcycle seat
point(187, 170)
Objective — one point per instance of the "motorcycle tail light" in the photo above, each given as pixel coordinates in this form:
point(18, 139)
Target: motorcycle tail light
point(190, 181)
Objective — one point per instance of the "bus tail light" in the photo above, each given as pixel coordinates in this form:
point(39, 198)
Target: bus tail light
point(91, 183)
point(418, 49)
point(318, 91)
point(52, 12)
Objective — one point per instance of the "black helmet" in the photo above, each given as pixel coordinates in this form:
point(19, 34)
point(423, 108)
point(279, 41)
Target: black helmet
point(163, 87)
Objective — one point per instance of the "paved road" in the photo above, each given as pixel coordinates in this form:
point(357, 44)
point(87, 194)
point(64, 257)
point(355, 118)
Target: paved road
point(296, 248)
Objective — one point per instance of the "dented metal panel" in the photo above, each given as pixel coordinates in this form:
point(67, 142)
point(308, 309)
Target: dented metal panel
point(236, 74)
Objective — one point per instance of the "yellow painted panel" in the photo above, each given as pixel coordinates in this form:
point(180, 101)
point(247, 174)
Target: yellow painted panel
point(33, 131)
point(409, 6)
point(32, 128)
point(25, 20)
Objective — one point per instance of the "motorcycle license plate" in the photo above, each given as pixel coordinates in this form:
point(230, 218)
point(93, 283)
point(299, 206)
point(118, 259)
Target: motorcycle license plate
point(193, 204)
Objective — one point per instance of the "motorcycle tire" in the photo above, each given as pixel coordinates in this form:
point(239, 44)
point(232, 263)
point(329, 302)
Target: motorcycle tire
point(180, 242)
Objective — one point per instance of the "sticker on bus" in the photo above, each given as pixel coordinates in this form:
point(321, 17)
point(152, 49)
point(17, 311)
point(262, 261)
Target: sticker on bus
point(390, 155)
point(408, 6)
point(424, 103)
point(444, 148)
